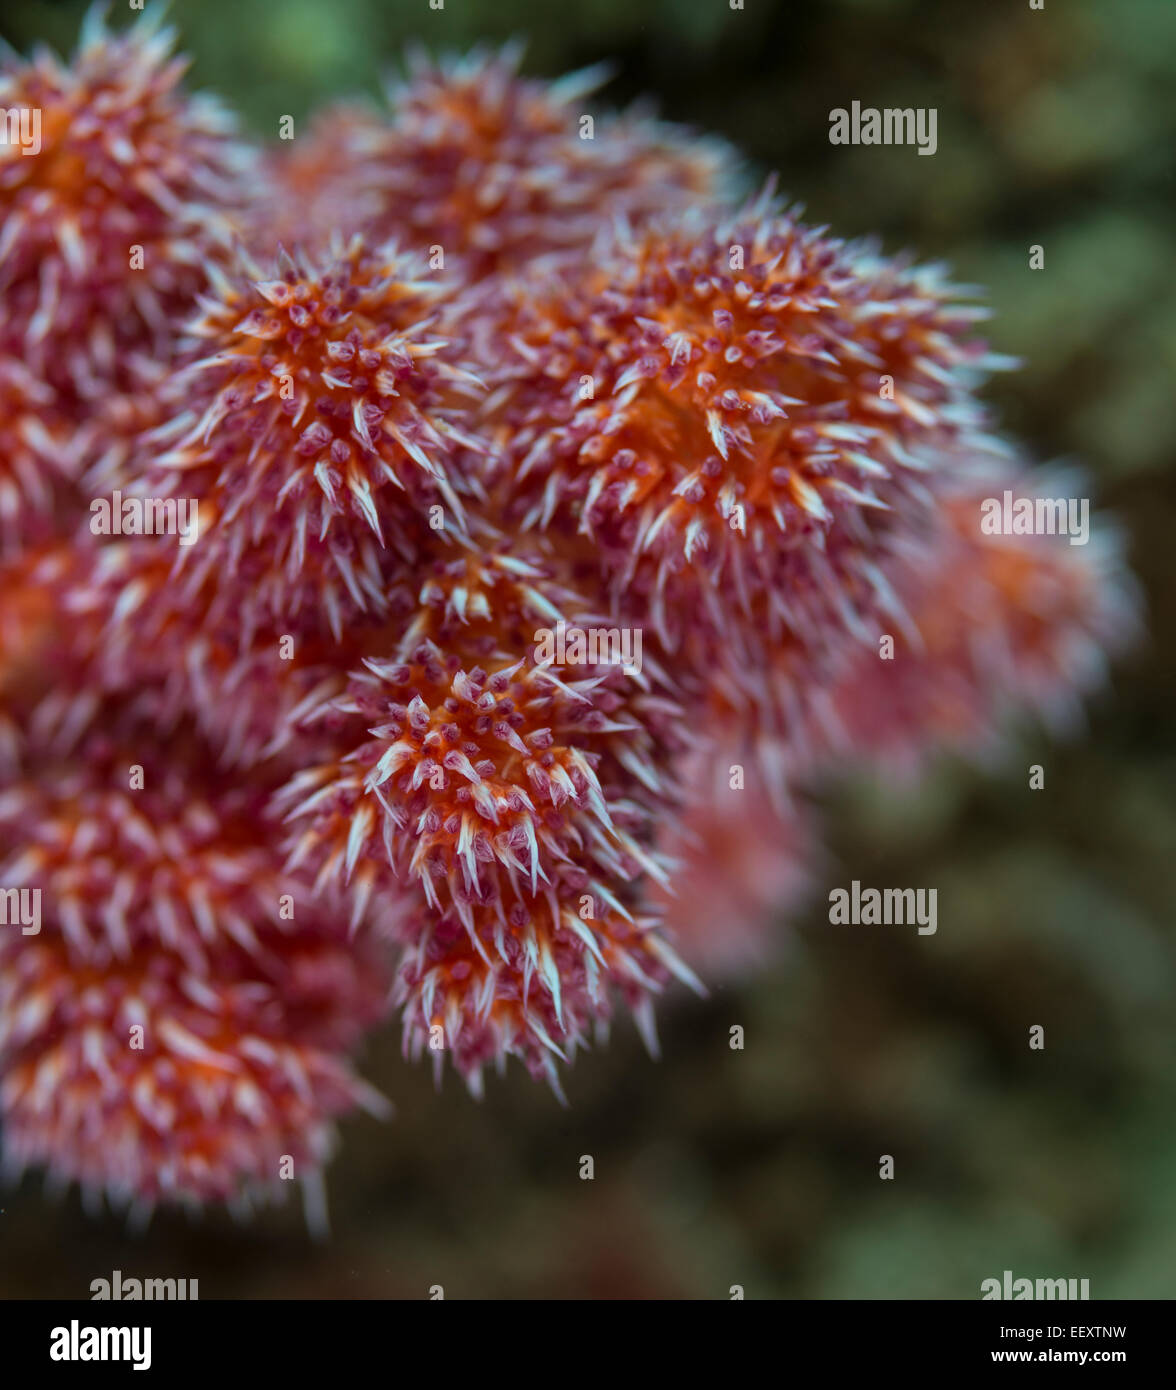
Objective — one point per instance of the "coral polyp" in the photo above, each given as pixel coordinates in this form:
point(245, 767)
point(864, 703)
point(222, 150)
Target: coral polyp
point(489, 168)
point(147, 1084)
point(733, 405)
point(124, 193)
point(315, 395)
point(423, 561)
point(998, 626)
point(535, 990)
point(181, 1018)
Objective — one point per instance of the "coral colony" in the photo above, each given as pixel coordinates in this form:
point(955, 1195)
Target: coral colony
point(436, 554)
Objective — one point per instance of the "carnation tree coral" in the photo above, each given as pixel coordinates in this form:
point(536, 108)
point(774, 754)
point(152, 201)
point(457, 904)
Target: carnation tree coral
point(486, 374)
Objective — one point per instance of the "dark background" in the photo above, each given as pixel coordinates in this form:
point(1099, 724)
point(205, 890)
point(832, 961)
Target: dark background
point(760, 1167)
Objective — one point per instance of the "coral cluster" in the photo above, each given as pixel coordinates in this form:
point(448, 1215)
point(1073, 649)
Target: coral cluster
point(437, 559)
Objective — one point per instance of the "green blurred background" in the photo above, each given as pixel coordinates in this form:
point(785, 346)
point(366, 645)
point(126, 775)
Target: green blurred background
point(760, 1168)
